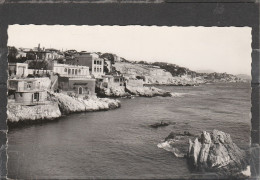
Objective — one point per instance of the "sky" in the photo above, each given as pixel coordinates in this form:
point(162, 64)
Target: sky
point(218, 49)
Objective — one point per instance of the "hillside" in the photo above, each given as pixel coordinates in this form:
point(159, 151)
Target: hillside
point(244, 76)
point(156, 75)
point(166, 73)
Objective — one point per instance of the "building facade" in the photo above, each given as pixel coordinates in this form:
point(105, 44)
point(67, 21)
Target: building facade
point(67, 70)
point(18, 69)
point(92, 60)
point(79, 86)
point(27, 91)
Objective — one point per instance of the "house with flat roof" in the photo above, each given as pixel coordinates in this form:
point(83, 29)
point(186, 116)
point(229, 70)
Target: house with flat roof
point(79, 86)
point(18, 69)
point(68, 70)
point(91, 60)
point(27, 91)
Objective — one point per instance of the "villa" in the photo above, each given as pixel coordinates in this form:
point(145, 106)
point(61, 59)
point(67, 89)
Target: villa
point(27, 91)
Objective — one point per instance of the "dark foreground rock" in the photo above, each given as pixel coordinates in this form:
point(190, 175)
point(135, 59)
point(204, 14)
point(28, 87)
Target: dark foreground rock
point(210, 152)
point(216, 152)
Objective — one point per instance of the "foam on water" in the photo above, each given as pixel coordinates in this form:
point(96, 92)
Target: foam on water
point(168, 147)
point(174, 94)
point(247, 171)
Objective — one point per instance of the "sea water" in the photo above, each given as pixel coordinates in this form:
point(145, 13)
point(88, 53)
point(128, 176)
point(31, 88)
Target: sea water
point(120, 143)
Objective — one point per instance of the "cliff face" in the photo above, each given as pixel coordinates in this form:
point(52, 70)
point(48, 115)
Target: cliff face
point(69, 104)
point(165, 73)
point(48, 111)
point(153, 74)
point(59, 104)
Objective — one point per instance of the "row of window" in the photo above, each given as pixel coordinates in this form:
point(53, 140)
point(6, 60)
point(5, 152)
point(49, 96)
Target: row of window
point(97, 69)
point(74, 71)
point(98, 62)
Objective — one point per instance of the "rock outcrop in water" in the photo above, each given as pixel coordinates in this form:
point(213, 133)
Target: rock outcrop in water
point(210, 152)
point(160, 124)
point(216, 151)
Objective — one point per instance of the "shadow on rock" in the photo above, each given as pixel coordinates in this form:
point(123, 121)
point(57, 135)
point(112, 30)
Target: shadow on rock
point(216, 152)
point(212, 152)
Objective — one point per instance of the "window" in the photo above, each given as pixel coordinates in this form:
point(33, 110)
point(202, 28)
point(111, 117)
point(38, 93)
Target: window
point(95, 62)
point(80, 90)
point(36, 96)
point(72, 71)
point(65, 70)
point(95, 69)
point(69, 71)
point(76, 71)
point(29, 86)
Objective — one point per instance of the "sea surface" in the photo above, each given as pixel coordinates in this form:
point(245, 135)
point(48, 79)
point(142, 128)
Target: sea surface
point(120, 144)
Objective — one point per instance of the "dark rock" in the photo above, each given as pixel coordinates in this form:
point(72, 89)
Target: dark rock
point(176, 143)
point(216, 152)
point(173, 135)
point(161, 124)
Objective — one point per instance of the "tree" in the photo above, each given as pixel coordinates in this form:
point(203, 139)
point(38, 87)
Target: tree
point(38, 64)
point(12, 53)
point(31, 55)
point(109, 56)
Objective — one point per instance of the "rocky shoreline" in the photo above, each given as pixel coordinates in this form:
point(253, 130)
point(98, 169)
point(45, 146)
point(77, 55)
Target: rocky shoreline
point(128, 91)
point(58, 105)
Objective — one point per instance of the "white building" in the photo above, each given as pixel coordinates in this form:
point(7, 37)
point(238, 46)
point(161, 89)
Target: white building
point(67, 70)
point(18, 69)
point(92, 61)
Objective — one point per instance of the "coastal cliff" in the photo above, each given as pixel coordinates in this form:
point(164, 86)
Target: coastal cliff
point(59, 104)
point(68, 104)
point(170, 74)
point(16, 112)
